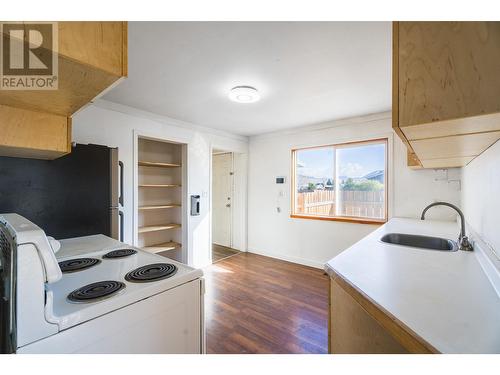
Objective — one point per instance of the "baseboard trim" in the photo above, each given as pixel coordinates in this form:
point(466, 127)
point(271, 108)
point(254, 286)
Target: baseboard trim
point(304, 262)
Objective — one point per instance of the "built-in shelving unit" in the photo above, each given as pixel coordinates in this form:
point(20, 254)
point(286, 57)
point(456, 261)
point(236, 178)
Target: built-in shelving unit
point(160, 203)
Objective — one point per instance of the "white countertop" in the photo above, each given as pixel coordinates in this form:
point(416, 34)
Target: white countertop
point(444, 297)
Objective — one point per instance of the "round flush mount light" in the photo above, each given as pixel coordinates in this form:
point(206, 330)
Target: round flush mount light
point(244, 94)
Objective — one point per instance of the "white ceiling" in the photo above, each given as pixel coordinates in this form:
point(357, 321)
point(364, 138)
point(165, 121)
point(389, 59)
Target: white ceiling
point(306, 72)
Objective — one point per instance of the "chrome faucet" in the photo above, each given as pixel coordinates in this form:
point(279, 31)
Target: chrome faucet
point(463, 240)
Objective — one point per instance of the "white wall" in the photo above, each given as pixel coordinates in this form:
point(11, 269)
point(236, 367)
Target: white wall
point(116, 126)
point(481, 196)
point(314, 242)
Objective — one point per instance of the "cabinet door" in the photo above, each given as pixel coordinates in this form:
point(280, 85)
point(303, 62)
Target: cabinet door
point(448, 70)
point(92, 56)
point(100, 44)
point(353, 330)
point(446, 90)
point(30, 134)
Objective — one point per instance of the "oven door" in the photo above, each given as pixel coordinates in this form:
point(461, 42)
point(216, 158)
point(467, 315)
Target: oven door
point(8, 267)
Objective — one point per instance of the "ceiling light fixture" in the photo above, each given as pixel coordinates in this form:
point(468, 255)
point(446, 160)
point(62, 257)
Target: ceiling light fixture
point(244, 94)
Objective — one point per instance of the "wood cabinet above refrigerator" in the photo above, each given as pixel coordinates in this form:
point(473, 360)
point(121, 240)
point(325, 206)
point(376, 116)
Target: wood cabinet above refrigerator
point(91, 58)
point(446, 90)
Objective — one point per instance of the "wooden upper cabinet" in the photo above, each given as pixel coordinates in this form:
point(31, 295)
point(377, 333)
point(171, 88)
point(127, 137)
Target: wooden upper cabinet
point(446, 90)
point(99, 44)
point(30, 134)
point(92, 57)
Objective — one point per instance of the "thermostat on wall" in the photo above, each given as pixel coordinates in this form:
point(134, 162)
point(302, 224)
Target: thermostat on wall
point(280, 180)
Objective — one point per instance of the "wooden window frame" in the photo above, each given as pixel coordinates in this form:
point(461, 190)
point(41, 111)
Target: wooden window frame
point(349, 219)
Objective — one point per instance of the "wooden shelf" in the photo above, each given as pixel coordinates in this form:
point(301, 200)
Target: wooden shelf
point(166, 246)
point(159, 185)
point(155, 228)
point(158, 207)
point(158, 165)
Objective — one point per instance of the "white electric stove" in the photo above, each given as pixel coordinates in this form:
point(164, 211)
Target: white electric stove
point(95, 295)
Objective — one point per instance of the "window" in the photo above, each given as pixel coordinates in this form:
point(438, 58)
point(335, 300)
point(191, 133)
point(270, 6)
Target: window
point(341, 182)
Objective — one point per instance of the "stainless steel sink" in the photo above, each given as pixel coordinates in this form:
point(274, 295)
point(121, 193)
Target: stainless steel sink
point(423, 242)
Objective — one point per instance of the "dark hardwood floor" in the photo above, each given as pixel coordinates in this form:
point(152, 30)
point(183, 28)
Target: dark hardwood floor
point(256, 304)
point(220, 252)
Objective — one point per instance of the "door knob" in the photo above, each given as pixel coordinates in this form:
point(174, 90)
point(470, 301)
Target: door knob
point(228, 205)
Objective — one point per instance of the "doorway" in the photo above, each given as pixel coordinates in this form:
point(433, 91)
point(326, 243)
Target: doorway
point(222, 205)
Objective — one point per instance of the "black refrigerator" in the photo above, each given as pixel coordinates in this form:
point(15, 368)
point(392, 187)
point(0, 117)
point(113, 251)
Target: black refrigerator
point(76, 195)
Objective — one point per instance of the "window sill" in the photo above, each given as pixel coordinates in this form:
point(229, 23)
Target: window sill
point(356, 220)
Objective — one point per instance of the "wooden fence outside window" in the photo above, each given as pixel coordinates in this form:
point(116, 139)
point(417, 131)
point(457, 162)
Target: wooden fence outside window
point(365, 204)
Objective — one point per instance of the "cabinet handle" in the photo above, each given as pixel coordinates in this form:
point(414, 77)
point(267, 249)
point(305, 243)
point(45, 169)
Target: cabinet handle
point(120, 214)
point(120, 199)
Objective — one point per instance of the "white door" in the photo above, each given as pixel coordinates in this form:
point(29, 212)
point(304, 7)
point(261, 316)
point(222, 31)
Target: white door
point(222, 198)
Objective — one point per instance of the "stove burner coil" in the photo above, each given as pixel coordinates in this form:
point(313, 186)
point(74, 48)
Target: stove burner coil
point(96, 291)
point(74, 265)
point(120, 253)
point(151, 272)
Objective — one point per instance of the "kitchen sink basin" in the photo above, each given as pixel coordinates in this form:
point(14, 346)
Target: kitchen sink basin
point(423, 242)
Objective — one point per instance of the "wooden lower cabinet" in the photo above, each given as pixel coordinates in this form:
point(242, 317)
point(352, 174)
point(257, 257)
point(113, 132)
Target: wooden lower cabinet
point(353, 330)
point(357, 326)
point(30, 134)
